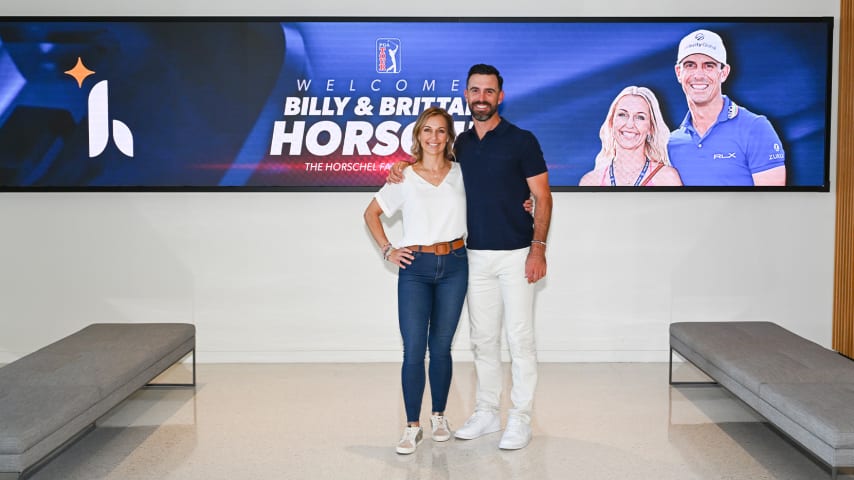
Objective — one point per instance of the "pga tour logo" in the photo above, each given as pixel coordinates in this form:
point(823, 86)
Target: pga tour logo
point(99, 116)
point(388, 55)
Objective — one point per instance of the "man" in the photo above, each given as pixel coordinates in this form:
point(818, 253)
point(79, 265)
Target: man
point(502, 166)
point(720, 143)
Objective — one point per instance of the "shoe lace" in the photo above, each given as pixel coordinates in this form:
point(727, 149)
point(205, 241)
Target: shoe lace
point(438, 421)
point(476, 417)
point(513, 423)
point(410, 434)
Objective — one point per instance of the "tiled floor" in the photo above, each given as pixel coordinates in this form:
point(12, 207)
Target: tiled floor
point(341, 421)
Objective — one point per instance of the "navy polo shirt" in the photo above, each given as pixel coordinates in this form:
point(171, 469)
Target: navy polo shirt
point(495, 172)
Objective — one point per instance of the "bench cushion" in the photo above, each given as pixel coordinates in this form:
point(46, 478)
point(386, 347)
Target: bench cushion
point(755, 353)
point(22, 424)
point(825, 409)
point(47, 389)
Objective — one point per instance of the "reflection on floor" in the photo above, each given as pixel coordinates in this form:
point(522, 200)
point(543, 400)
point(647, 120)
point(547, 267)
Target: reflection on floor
point(341, 421)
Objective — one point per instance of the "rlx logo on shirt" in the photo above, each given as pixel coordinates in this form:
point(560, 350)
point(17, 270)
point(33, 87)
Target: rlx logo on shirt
point(723, 156)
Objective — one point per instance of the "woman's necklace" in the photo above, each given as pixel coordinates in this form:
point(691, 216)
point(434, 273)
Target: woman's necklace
point(640, 176)
point(436, 175)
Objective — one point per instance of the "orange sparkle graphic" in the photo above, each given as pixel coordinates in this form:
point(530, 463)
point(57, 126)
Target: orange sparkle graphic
point(79, 72)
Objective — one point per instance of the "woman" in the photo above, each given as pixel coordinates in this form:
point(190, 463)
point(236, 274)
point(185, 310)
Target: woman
point(634, 144)
point(433, 264)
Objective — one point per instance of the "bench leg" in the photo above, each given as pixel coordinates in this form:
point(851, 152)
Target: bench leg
point(670, 374)
point(170, 385)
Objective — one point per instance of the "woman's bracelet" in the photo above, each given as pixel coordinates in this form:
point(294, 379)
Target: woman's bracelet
point(540, 242)
point(387, 248)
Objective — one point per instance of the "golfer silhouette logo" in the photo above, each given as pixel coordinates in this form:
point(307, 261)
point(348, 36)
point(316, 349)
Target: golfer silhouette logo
point(99, 116)
point(388, 55)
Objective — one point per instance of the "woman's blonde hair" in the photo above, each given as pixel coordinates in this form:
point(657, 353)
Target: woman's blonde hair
point(417, 153)
point(655, 145)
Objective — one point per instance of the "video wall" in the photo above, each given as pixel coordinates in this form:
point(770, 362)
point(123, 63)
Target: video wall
point(329, 104)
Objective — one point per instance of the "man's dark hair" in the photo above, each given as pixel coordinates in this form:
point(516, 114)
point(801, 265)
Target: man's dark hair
point(483, 69)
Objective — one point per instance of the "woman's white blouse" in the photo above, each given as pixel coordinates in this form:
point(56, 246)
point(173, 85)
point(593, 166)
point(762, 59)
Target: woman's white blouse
point(431, 213)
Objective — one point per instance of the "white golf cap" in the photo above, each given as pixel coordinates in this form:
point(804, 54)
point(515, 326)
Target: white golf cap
point(702, 41)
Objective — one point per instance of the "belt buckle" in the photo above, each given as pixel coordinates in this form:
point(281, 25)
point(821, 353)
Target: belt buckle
point(443, 248)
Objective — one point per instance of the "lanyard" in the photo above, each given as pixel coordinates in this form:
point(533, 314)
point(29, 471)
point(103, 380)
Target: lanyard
point(640, 177)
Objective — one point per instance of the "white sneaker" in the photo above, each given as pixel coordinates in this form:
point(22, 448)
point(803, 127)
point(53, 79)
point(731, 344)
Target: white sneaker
point(479, 424)
point(441, 428)
point(412, 436)
point(517, 434)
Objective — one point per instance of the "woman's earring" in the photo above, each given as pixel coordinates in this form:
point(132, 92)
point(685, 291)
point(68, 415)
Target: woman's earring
point(648, 138)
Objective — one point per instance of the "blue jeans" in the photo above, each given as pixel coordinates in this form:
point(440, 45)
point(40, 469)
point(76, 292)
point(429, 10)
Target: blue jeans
point(430, 295)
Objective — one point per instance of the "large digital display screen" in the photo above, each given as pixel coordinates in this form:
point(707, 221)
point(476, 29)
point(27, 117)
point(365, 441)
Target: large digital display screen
point(328, 104)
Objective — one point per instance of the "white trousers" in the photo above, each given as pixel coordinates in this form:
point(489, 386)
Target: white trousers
point(499, 294)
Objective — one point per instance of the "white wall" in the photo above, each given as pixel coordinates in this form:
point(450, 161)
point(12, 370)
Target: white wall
point(295, 276)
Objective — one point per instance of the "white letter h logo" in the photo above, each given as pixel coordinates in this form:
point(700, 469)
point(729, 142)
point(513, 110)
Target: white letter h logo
point(99, 124)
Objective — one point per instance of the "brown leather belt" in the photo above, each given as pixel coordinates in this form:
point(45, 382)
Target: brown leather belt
point(441, 248)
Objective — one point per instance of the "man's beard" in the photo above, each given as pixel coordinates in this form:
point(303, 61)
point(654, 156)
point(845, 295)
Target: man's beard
point(482, 117)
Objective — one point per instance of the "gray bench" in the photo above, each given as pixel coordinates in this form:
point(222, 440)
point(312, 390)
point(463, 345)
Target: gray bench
point(802, 388)
point(53, 396)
